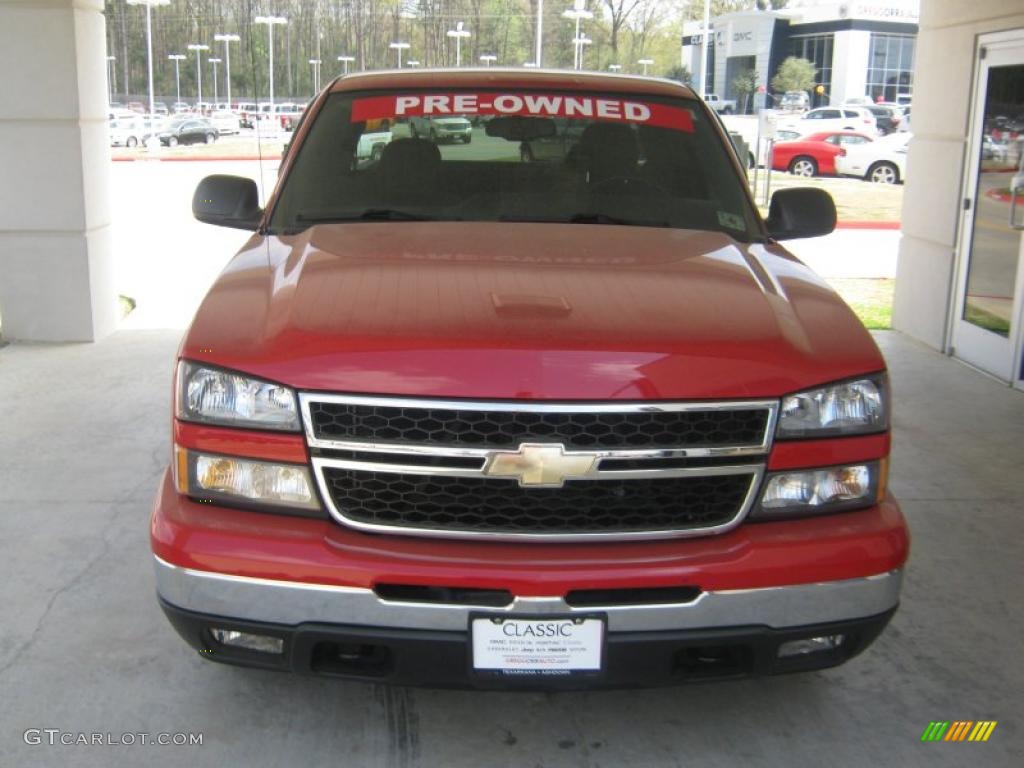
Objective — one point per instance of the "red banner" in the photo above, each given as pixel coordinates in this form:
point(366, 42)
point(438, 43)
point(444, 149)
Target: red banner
point(464, 104)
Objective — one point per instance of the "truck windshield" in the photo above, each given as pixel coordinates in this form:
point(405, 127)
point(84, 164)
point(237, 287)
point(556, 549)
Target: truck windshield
point(530, 156)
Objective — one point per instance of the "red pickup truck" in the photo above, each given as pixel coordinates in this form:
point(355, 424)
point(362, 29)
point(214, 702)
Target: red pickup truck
point(453, 416)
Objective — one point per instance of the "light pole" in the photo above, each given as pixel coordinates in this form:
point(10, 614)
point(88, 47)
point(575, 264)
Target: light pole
point(177, 58)
point(149, 40)
point(111, 72)
point(488, 59)
point(227, 40)
point(458, 33)
point(704, 51)
point(199, 73)
point(540, 32)
point(346, 60)
point(646, 63)
point(398, 48)
point(580, 42)
point(578, 12)
point(270, 21)
point(215, 62)
point(315, 63)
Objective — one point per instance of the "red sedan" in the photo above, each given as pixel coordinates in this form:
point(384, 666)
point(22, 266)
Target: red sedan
point(815, 154)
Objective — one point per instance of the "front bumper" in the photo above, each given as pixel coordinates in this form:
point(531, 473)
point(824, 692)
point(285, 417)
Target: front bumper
point(318, 586)
point(441, 659)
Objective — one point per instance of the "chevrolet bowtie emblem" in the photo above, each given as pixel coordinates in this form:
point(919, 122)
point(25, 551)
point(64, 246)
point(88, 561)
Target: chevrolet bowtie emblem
point(540, 465)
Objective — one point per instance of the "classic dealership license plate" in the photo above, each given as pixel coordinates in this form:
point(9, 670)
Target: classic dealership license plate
point(537, 646)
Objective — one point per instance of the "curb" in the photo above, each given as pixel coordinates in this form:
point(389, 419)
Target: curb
point(883, 225)
point(1003, 195)
point(203, 159)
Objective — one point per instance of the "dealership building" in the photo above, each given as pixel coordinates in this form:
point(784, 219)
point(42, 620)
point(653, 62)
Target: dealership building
point(859, 48)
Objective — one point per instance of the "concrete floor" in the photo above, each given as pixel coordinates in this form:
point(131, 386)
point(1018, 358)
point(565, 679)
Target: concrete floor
point(84, 648)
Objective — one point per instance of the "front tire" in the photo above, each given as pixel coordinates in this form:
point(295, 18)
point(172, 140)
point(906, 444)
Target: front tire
point(525, 153)
point(172, 142)
point(467, 138)
point(433, 136)
point(883, 173)
point(210, 138)
point(131, 141)
point(803, 166)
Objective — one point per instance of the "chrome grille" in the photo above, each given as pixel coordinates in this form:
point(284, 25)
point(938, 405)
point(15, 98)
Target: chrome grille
point(544, 471)
point(464, 425)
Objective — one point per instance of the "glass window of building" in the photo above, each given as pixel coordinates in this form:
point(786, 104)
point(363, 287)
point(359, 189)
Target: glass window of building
point(890, 67)
point(818, 49)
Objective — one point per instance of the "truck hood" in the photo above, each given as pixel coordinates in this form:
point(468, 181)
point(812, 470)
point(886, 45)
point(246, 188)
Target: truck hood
point(527, 311)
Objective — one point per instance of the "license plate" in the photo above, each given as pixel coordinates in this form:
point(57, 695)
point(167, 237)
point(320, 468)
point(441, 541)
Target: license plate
point(555, 645)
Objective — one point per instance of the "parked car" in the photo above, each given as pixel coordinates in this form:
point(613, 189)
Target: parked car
point(442, 128)
point(127, 131)
point(883, 161)
point(814, 155)
point(288, 115)
point(160, 108)
point(886, 118)
point(456, 419)
point(188, 130)
point(179, 106)
point(372, 145)
point(725, 106)
point(795, 101)
point(247, 112)
point(137, 107)
point(225, 121)
point(996, 151)
point(834, 119)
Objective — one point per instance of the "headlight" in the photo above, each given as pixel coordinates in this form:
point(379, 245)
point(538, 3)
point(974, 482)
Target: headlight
point(225, 478)
point(213, 396)
point(820, 491)
point(852, 407)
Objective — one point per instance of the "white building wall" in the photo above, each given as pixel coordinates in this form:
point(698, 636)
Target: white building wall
point(56, 260)
point(943, 83)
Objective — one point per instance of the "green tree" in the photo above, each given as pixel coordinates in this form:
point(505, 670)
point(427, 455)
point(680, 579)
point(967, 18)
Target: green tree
point(680, 74)
point(744, 85)
point(794, 74)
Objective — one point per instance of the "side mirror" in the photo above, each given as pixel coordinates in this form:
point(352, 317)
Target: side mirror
point(801, 212)
point(227, 201)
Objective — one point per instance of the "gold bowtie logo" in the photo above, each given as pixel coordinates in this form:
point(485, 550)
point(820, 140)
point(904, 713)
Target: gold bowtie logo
point(540, 465)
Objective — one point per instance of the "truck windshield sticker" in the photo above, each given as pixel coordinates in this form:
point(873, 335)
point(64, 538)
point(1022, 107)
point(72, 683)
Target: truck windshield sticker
point(731, 220)
point(524, 104)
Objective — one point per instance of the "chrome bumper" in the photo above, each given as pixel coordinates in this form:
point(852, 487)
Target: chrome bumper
point(287, 602)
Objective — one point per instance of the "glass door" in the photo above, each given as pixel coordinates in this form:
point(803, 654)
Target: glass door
point(987, 329)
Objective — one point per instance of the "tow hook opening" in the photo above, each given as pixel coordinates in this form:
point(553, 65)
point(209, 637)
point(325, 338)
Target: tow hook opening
point(362, 659)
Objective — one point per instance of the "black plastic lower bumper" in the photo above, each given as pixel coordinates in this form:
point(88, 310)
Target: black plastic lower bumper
point(442, 659)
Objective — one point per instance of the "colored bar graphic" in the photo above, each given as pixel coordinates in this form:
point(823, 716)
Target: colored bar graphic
point(983, 730)
point(958, 730)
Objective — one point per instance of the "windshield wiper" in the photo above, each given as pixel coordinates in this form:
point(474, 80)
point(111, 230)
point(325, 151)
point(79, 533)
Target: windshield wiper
point(369, 214)
point(587, 218)
point(604, 218)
